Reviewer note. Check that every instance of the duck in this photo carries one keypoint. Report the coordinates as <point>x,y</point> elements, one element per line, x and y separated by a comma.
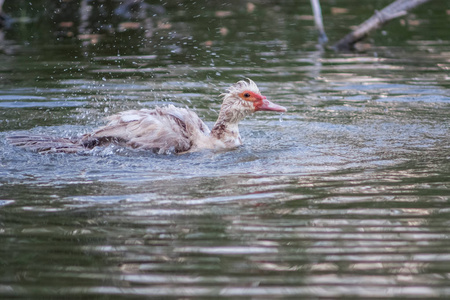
<point>167,129</point>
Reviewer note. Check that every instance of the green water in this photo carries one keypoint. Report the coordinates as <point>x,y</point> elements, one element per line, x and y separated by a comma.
<point>345,195</point>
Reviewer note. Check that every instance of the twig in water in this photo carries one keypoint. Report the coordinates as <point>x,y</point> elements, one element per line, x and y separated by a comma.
<point>394,10</point>
<point>318,21</point>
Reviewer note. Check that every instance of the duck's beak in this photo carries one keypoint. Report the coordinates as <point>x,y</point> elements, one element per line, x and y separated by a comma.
<point>268,105</point>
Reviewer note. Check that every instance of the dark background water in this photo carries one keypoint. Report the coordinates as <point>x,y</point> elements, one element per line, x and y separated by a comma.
<point>345,195</point>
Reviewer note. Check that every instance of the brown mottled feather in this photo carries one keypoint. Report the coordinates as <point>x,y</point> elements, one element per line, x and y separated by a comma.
<point>46,144</point>
<point>164,129</point>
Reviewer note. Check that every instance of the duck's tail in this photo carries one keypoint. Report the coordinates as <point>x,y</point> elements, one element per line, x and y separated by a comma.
<point>46,144</point>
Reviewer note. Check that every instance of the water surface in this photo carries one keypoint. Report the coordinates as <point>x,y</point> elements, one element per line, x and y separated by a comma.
<point>345,195</point>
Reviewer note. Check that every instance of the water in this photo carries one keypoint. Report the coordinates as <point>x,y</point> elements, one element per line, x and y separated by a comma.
<point>345,195</point>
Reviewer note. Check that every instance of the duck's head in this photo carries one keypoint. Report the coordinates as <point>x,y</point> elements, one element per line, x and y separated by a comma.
<point>244,98</point>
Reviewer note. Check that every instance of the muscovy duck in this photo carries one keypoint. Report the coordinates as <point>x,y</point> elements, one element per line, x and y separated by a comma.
<point>167,129</point>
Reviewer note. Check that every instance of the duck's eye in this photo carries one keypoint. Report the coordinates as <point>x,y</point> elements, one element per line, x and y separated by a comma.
<point>246,95</point>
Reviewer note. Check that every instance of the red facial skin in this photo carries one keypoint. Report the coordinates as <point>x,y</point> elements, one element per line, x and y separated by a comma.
<point>260,102</point>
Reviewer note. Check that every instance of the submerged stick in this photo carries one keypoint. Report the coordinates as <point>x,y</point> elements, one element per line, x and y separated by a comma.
<point>317,11</point>
<point>394,10</point>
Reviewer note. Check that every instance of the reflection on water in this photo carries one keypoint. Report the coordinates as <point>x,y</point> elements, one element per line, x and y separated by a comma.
<point>345,195</point>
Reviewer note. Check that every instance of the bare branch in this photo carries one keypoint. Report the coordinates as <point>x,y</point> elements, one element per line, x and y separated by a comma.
<point>394,10</point>
<point>318,21</point>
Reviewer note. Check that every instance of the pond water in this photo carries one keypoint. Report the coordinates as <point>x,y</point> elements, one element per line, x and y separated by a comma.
<point>345,195</point>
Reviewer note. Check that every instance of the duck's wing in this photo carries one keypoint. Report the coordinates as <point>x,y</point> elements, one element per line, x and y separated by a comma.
<point>46,144</point>
<point>166,129</point>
